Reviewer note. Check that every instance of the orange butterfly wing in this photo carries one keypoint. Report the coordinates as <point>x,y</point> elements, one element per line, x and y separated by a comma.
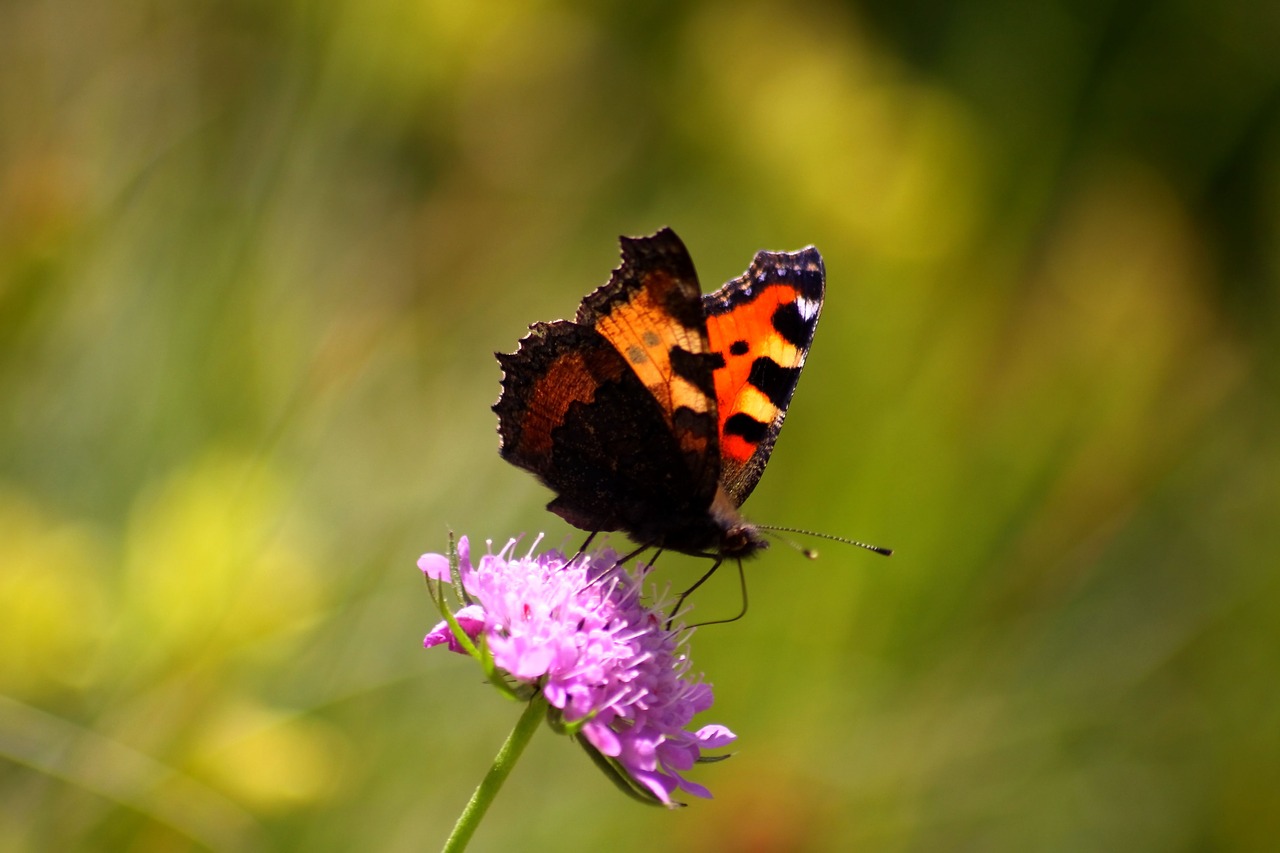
<point>762,325</point>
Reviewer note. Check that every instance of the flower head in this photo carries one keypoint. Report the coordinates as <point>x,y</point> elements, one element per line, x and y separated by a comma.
<point>609,666</point>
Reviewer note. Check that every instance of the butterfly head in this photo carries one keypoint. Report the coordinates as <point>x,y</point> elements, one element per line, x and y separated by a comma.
<point>741,540</point>
<point>738,537</point>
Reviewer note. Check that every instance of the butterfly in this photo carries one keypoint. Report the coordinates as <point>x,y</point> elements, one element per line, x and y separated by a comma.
<point>655,410</point>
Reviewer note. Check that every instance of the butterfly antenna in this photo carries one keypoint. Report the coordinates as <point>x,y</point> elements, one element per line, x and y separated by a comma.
<point>810,553</point>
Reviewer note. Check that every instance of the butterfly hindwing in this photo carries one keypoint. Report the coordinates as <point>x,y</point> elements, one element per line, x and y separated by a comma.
<point>762,324</point>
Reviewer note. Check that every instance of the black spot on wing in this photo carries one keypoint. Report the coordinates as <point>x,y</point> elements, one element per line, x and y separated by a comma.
<point>809,273</point>
<point>699,424</point>
<point>739,348</point>
<point>697,368</point>
<point>746,427</point>
<point>774,380</point>
<point>791,325</point>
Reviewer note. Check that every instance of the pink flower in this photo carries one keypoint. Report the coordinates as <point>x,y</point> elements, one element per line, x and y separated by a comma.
<point>578,631</point>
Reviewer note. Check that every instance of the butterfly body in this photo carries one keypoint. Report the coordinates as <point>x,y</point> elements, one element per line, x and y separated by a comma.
<point>655,410</point>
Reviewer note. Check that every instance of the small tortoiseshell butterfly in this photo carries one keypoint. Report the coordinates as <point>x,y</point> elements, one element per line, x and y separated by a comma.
<point>655,409</point>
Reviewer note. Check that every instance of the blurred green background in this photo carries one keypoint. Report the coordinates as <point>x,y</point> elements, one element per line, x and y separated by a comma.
<point>255,259</point>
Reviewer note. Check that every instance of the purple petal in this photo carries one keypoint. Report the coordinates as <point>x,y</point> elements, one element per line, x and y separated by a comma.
<point>714,736</point>
<point>526,661</point>
<point>602,738</point>
<point>470,619</point>
<point>580,705</point>
<point>554,691</point>
<point>694,788</point>
<point>678,756</point>
<point>640,749</point>
<point>434,566</point>
<point>662,785</point>
<point>701,698</point>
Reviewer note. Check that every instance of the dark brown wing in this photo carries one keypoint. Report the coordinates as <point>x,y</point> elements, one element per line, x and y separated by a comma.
<point>575,414</point>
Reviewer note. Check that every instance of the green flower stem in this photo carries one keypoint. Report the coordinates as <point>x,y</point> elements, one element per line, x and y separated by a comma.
<point>492,782</point>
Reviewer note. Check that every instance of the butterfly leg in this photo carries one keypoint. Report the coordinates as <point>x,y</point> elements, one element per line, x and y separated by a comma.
<point>688,592</point>
<point>620,561</point>
<point>636,553</point>
<point>585,545</point>
<point>742,583</point>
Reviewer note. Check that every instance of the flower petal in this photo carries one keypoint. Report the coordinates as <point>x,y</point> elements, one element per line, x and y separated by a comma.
<point>662,785</point>
<point>678,756</point>
<point>526,661</point>
<point>470,619</point>
<point>714,736</point>
<point>434,566</point>
<point>694,788</point>
<point>602,738</point>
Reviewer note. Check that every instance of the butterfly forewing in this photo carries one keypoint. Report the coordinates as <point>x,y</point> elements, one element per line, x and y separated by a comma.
<point>762,323</point>
<point>651,311</point>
